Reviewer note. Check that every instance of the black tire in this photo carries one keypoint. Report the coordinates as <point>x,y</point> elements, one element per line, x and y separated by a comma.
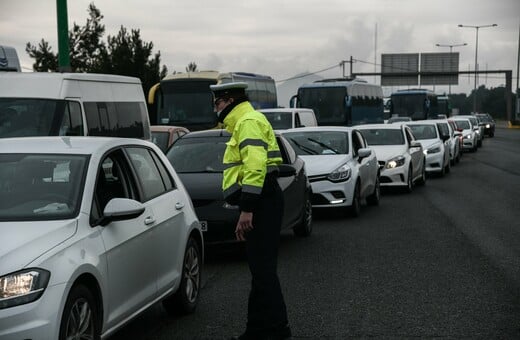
<point>304,227</point>
<point>355,209</point>
<point>375,197</point>
<point>185,299</point>
<point>409,181</point>
<point>80,306</point>
<point>422,181</point>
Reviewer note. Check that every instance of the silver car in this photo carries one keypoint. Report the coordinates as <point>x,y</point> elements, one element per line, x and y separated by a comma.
<point>94,231</point>
<point>340,166</point>
<point>400,155</point>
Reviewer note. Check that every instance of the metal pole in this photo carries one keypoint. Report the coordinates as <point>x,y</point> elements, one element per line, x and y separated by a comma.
<point>63,36</point>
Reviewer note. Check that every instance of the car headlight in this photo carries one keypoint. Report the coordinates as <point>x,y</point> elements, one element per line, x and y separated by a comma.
<point>395,162</point>
<point>340,174</point>
<point>488,126</point>
<point>22,287</point>
<point>467,136</point>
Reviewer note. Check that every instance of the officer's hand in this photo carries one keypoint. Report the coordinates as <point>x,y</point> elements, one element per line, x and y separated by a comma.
<point>244,224</point>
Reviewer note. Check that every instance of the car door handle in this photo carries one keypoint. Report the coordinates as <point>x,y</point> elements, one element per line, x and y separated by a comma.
<point>179,205</point>
<point>149,220</point>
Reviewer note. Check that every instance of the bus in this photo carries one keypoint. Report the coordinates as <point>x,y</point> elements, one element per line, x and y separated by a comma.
<point>444,106</point>
<point>185,99</point>
<point>342,102</point>
<point>418,104</point>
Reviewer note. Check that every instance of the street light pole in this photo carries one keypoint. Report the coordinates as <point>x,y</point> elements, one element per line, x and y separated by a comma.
<point>451,51</point>
<point>476,60</point>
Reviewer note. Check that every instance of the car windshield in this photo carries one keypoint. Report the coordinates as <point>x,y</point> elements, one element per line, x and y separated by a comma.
<point>318,142</point>
<point>279,120</point>
<point>463,124</point>
<point>160,139</point>
<point>195,155</point>
<point>383,136</point>
<point>40,186</point>
<point>424,131</point>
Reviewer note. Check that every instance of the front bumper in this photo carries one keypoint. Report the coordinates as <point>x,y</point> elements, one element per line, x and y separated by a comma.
<point>327,194</point>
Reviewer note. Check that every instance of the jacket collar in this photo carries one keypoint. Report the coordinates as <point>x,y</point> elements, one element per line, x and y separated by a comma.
<point>236,114</point>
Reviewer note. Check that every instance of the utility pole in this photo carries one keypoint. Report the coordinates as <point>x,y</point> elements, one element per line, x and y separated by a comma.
<point>63,36</point>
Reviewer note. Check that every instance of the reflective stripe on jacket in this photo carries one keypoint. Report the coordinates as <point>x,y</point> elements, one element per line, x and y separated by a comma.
<point>251,153</point>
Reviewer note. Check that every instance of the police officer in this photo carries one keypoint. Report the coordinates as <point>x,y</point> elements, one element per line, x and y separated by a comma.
<point>250,181</point>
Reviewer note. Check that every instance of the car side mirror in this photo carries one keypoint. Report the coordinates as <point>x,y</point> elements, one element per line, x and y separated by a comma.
<point>120,209</point>
<point>286,170</point>
<point>415,144</point>
<point>364,153</point>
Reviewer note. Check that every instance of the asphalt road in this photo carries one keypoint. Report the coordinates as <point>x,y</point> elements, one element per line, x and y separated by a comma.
<point>441,262</point>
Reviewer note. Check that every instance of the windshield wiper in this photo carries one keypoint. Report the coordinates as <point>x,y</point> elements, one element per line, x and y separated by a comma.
<point>304,148</point>
<point>323,145</point>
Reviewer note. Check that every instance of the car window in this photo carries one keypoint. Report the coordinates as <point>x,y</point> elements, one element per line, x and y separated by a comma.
<point>160,139</point>
<point>41,186</point>
<point>383,136</point>
<point>195,155</point>
<point>424,131</point>
<point>149,176</point>
<point>307,143</point>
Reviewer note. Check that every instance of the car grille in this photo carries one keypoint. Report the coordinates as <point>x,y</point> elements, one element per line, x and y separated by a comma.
<point>381,164</point>
<point>317,178</point>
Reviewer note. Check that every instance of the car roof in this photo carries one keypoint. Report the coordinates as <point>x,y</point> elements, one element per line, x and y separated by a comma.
<point>66,145</point>
<point>290,109</point>
<point>320,128</point>
<point>393,126</point>
<point>166,128</point>
<point>422,122</point>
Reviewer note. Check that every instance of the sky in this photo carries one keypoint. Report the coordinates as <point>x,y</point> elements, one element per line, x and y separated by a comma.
<point>284,38</point>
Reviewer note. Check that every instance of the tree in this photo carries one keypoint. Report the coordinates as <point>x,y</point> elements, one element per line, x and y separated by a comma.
<point>192,67</point>
<point>124,54</point>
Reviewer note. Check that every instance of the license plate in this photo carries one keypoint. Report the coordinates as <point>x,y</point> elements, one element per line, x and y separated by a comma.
<point>203,225</point>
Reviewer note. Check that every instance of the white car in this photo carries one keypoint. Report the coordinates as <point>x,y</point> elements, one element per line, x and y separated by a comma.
<point>400,155</point>
<point>451,140</point>
<point>340,166</point>
<point>434,147</point>
<point>479,129</point>
<point>469,136</point>
<point>94,231</point>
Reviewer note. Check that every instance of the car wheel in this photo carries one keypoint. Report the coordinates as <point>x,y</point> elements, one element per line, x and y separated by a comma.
<point>409,181</point>
<point>80,319</point>
<point>355,208</point>
<point>185,300</point>
<point>422,180</point>
<point>375,197</point>
<point>304,228</point>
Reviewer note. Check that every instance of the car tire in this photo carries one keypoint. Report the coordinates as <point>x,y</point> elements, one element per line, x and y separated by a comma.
<point>185,299</point>
<point>304,228</point>
<point>80,318</point>
<point>375,197</point>
<point>355,209</point>
<point>409,181</point>
<point>422,181</point>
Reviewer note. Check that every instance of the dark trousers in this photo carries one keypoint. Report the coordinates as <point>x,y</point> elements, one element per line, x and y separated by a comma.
<point>266,310</point>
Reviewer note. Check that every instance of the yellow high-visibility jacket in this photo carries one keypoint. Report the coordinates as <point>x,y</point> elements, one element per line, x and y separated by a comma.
<point>251,153</point>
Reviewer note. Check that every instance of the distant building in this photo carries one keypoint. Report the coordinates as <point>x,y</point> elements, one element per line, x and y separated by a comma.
<point>9,59</point>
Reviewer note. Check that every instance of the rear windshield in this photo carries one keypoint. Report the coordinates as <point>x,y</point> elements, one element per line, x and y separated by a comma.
<point>279,120</point>
<point>424,131</point>
<point>197,155</point>
<point>383,136</point>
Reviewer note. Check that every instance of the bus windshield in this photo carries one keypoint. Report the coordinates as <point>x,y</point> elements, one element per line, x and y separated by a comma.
<point>188,104</point>
<point>411,105</point>
<point>328,104</point>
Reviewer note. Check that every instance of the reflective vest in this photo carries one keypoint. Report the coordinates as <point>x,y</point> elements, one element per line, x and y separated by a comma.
<point>251,153</point>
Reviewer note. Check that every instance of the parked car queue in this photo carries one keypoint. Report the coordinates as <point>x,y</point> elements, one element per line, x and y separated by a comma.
<point>107,207</point>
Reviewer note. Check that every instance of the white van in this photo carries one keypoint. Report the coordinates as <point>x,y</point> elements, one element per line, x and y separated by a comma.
<point>282,119</point>
<point>72,104</point>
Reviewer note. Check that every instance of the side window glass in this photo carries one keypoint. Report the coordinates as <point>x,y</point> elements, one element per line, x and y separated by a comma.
<point>147,172</point>
<point>129,120</point>
<point>165,175</point>
<point>76,121</point>
<point>297,121</point>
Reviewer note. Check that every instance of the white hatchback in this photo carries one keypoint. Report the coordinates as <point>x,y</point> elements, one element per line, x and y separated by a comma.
<point>434,147</point>
<point>94,231</point>
<point>399,154</point>
<point>340,166</point>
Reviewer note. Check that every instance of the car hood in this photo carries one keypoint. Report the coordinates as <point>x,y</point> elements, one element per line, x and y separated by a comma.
<point>23,242</point>
<point>387,152</point>
<point>323,164</point>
